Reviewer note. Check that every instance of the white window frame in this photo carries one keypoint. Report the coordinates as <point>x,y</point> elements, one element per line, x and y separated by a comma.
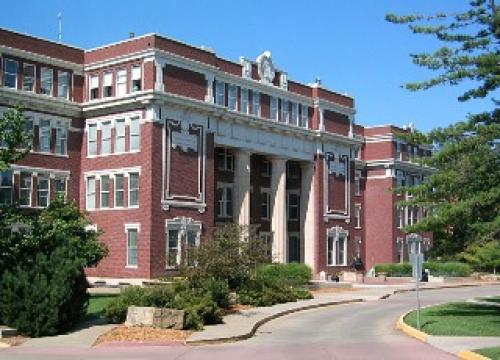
<point>61,146</point>
<point>23,188</point>
<point>400,217</point>
<point>134,77</point>
<point>42,134</point>
<point>304,116</point>
<point>93,85</point>
<point>106,138</point>
<point>256,103</point>
<point>289,206</point>
<point>244,100</point>
<point>92,140</point>
<point>104,192</point>
<point>65,182</point>
<point>285,112</point>
<point>89,193</point>
<point>120,136</point>
<point>133,189</point>
<point>134,134</point>
<point>107,82</point>
<point>220,93</point>
<point>40,191</point>
<point>294,117</point>
<point>137,229</point>
<point>266,201</point>
<point>45,78</point>
<point>357,216</point>
<point>33,78</point>
<point>228,159</point>
<point>222,203</point>
<point>116,190</point>
<point>5,73</point>
<point>62,87</point>
<point>182,226</point>
<point>232,97</point>
<point>335,236</point>
<point>121,82</point>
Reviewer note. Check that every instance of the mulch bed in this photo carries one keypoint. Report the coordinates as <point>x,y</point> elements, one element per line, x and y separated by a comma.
<point>142,334</point>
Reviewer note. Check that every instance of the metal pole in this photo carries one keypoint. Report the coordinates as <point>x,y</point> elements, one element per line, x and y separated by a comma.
<point>417,265</point>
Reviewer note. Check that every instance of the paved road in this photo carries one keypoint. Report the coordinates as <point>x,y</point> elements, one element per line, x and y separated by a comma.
<point>356,331</point>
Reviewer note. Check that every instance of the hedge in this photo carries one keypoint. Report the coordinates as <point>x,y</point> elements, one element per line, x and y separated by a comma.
<point>451,269</point>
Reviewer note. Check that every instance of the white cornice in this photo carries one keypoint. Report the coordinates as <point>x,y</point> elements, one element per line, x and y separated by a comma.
<point>329,105</point>
<point>398,164</point>
<point>29,55</point>
<point>38,102</point>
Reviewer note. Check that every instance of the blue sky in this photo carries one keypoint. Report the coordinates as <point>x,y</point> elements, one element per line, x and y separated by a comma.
<point>348,44</point>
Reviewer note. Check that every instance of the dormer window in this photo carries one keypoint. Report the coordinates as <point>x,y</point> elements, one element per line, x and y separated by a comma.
<point>29,77</point>
<point>136,78</point>
<point>107,85</point>
<point>94,87</point>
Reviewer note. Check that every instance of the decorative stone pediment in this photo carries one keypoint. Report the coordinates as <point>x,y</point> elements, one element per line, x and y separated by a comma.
<point>265,68</point>
<point>336,165</point>
<point>183,139</point>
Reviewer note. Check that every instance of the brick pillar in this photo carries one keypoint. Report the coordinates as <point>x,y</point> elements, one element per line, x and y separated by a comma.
<point>279,219</point>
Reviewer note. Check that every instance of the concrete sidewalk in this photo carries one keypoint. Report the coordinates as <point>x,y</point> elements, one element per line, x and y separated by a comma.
<point>455,344</point>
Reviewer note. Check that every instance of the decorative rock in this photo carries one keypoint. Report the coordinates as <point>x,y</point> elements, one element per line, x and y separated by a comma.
<point>156,317</point>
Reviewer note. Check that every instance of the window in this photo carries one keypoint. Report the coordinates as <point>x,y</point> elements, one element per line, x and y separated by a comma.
<point>295,114</point>
<point>293,247</point>
<point>274,108</point>
<point>43,191</point>
<point>121,82</point>
<point>225,159</point>
<point>284,111</point>
<point>105,191</point>
<point>44,135</point>
<point>267,238</point>
<point>6,187</point>
<point>60,187</point>
<point>29,77</point>
<point>337,250</point>
<point>91,192</point>
<point>244,101</point>
<point>136,78</point>
<point>62,84</point>
<point>293,170</point>
<point>133,189</point>
<point>265,205</point>
<point>119,190</point>
<point>61,139</point>
<point>398,150</point>
<point>231,95</point>
<point>400,178</point>
<point>135,134</point>
<point>293,205</point>
<point>46,81</point>
<point>357,182</point>
<point>132,247</point>
<point>106,138</point>
<point>10,73</point>
<point>220,93</point>
<point>172,248</point>
<point>94,87</point>
<point>266,168</point>
<point>304,115</point>
<point>107,85</point>
<point>400,217</point>
<point>120,136</point>
<point>92,139</point>
<point>224,200</point>
<point>357,216</point>
<point>256,103</point>
<point>25,189</point>
<point>400,249</point>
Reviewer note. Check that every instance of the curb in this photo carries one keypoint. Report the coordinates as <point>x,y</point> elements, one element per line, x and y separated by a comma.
<point>261,322</point>
<point>471,355</point>
<point>410,330</point>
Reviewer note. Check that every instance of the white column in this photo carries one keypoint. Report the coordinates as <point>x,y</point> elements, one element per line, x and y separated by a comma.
<point>351,126</point>
<point>308,215</point>
<point>159,76</point>
<point>241,188</point>
<point>321,119</point>
<point>279,219</point>
<point>209,96</point>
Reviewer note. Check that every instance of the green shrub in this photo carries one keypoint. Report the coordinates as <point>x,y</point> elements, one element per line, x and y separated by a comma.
<point>218,289</point>
<point>396,270</point>
<point>292,274</point>
<point>116,310</point>
<point>45,296</point>
<point>452,269</point>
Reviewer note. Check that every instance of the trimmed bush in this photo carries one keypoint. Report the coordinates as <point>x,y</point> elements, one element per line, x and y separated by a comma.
<point>452,269</point>
<point>45,296</point>
<point>292,274</point>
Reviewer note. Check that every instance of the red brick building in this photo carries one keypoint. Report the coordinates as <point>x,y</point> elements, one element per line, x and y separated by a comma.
<point>160,142</point>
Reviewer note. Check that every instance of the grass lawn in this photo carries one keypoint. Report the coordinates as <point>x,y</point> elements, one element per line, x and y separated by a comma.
<point>97,304</point>
<point>493,299</point>
<point>458,319</point>
<point>492,353</point>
